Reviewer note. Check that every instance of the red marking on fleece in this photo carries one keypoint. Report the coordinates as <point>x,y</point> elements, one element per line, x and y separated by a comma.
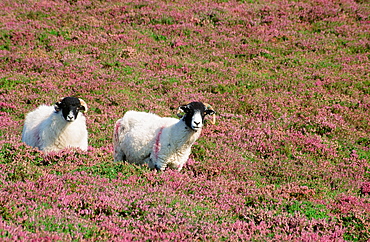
<point>157,145</point>
<point>118,125</point>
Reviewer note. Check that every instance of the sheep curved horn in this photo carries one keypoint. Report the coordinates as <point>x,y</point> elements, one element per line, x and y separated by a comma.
<point>83,103</point>
<point>208,106</point>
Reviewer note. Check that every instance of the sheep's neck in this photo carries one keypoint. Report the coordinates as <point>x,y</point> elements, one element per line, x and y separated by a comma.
<point>185,134</point>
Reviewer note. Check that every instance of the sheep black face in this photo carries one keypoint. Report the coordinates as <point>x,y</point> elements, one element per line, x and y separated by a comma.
<point>195,113</point>
<point>70,106</point>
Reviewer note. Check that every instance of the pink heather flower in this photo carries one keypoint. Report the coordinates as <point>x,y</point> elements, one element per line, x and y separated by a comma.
<point>365,188</point>
<point>354,154</point>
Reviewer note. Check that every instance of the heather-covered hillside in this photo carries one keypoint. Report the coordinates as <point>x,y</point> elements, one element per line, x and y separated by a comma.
<point>289,156</point>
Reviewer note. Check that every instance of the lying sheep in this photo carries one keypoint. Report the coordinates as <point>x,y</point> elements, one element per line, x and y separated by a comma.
<point>52,128</point>
<point>145,138</point>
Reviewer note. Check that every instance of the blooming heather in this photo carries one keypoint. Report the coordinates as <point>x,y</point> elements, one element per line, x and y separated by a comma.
<point>287,161</point>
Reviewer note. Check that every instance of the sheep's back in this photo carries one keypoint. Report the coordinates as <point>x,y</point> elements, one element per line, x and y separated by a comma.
<point>38,115</point>
<point>33,120</point>
<point>138,133</point>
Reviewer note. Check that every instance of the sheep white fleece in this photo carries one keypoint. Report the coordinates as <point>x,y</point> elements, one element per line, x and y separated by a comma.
<point>47,130</point>
<point>146,138</point>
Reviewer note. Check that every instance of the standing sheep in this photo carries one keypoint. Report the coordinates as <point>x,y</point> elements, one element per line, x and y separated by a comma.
<point>52,128</point>
<point>145,138</point>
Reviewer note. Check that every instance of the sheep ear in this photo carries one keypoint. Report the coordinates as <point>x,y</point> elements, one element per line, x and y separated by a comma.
<point>83,106</point>
<point>210,111</point>
<point>57,106</point>
<point>182,109</point>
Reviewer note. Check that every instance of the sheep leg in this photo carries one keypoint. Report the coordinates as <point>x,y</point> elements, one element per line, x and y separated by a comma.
<point>119,155</point>
<point>159,166</point>
<point>123,157</point>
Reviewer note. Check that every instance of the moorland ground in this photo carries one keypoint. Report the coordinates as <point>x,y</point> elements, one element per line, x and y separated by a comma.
<point>287,160</point>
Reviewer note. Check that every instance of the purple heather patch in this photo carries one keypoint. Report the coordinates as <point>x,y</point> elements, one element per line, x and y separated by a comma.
<point>288,158</point>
